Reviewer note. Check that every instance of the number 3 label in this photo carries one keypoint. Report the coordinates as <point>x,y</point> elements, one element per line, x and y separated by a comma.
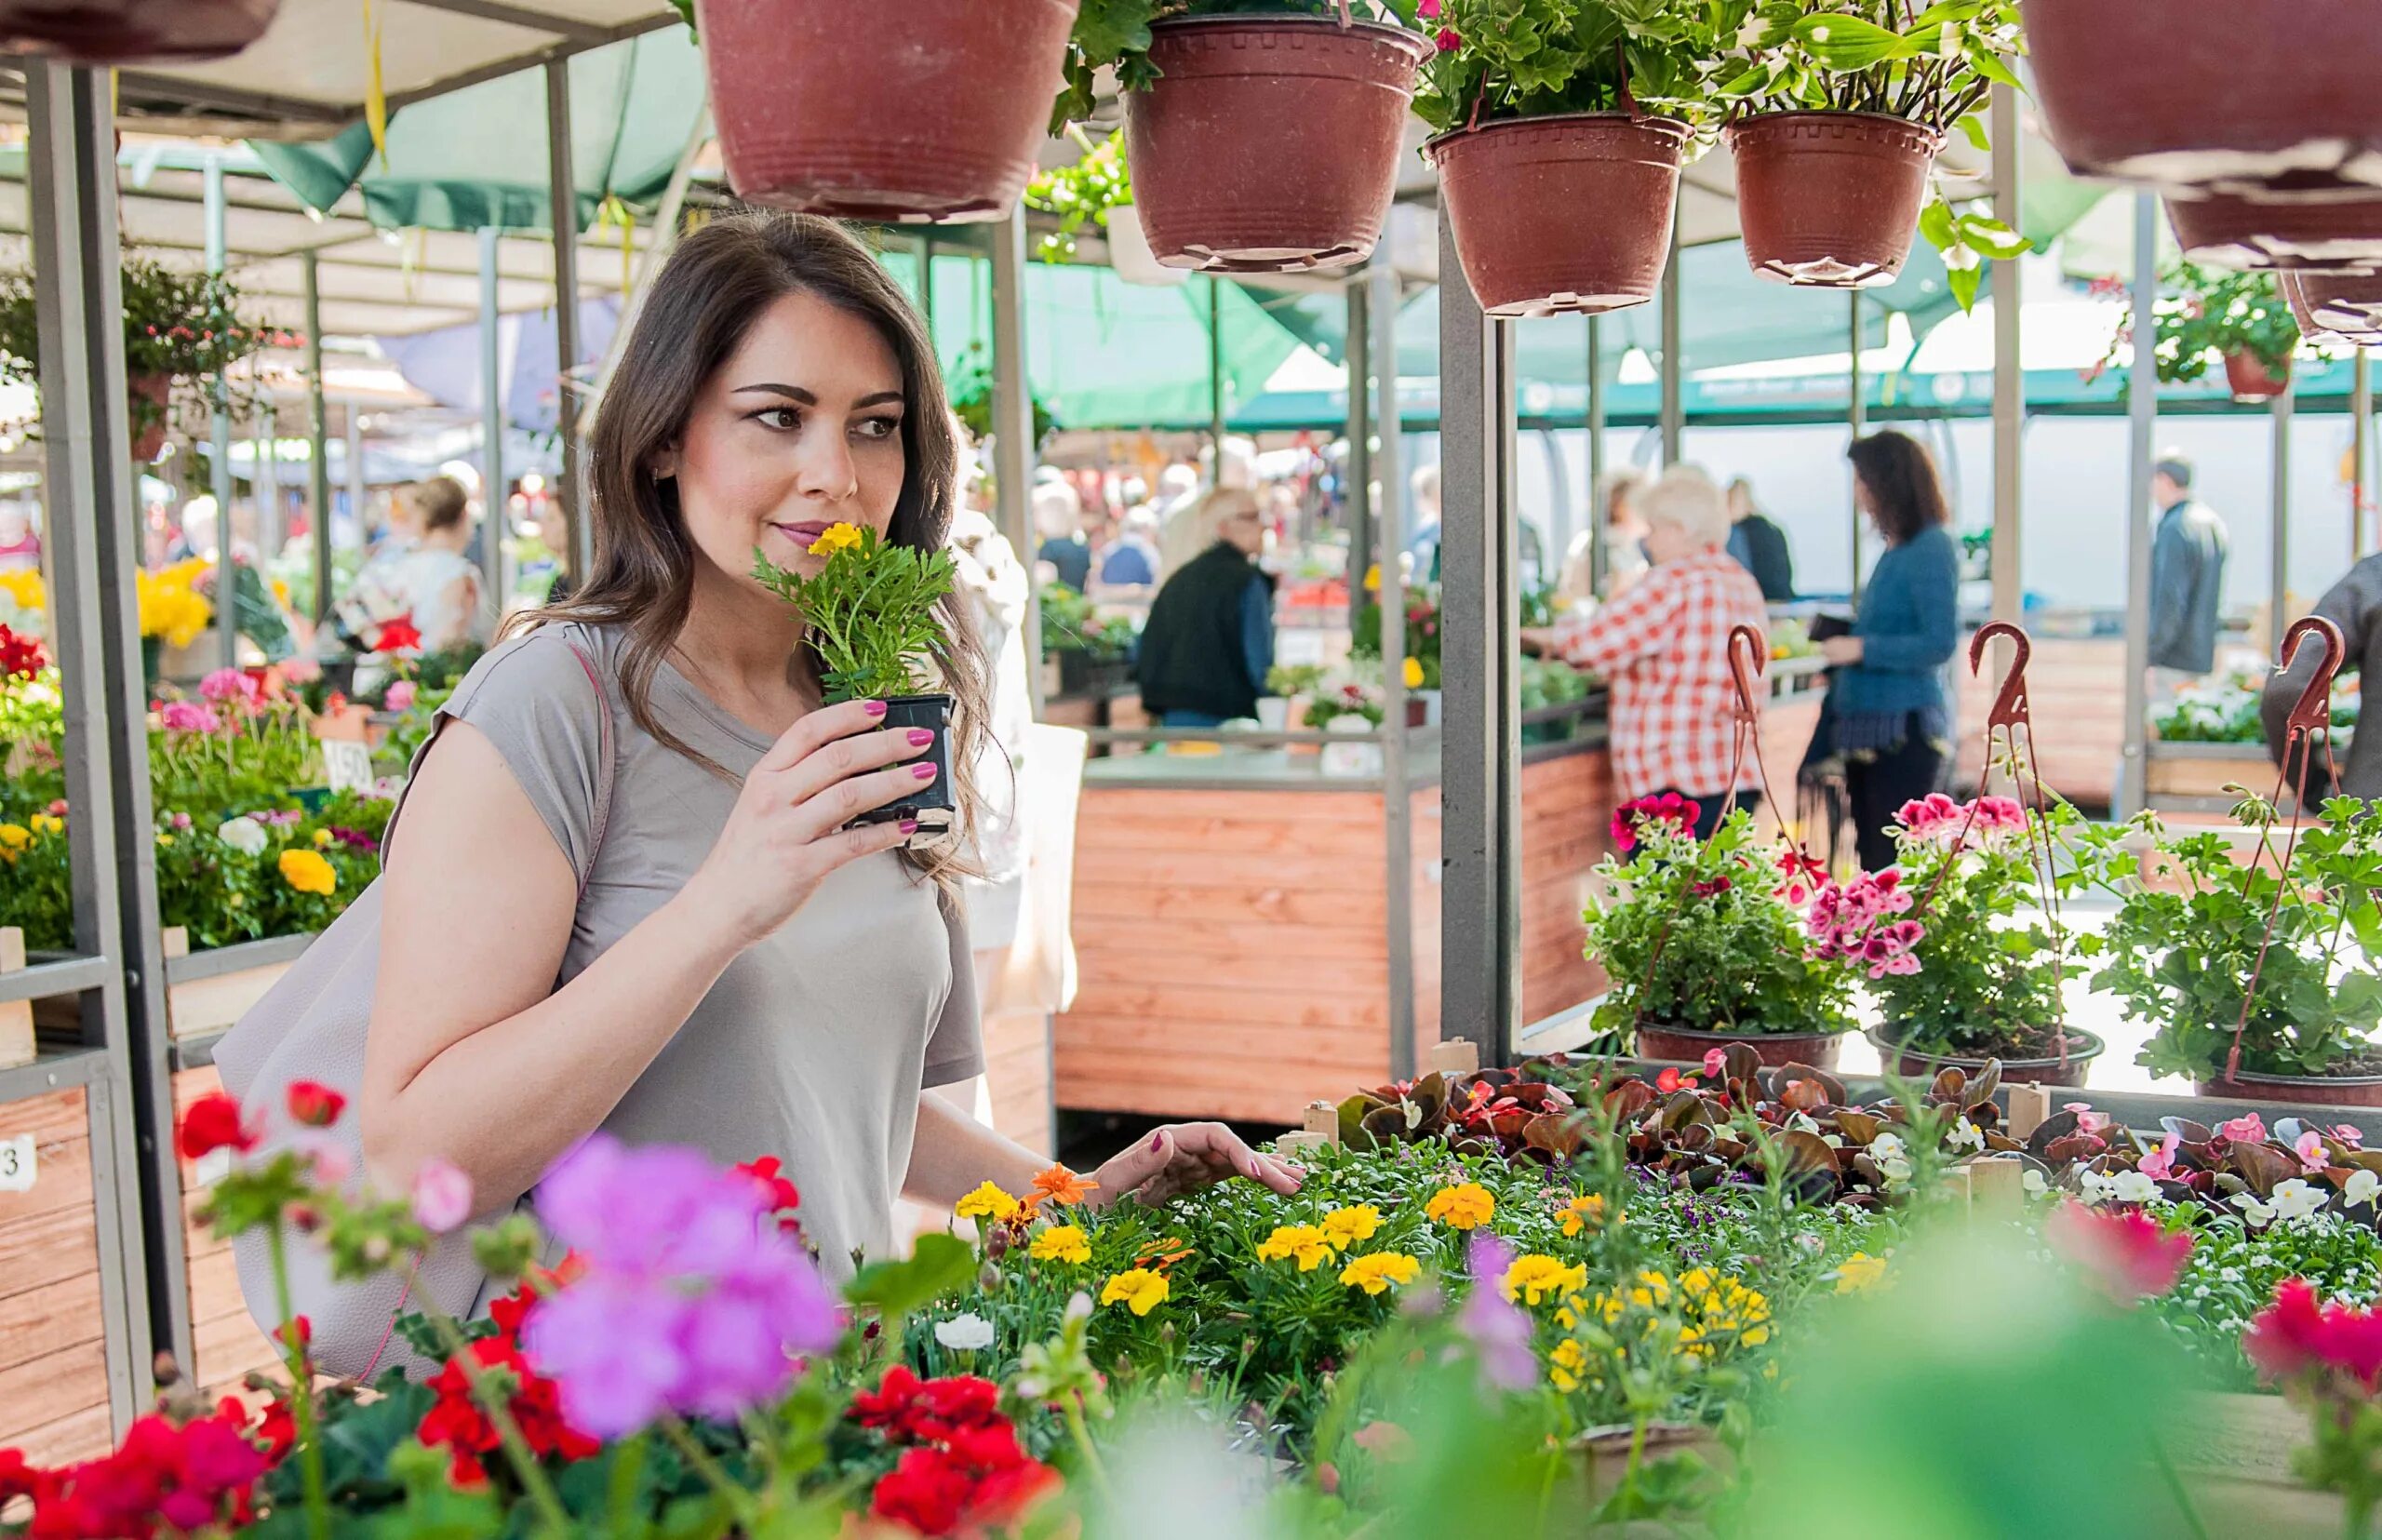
<point>17,1162</point>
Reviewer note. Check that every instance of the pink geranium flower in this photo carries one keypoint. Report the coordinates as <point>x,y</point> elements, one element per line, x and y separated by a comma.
<point>2127,1254</point>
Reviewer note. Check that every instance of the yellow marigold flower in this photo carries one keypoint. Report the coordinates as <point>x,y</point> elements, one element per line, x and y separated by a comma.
<point>308,873</point>
<point>15,837</point>
<point>1565,1363</point>
<point>1306,1243</point>
<point>838,537</point>
<point>1379,1271</point>
<point>1582,1213</point>
<point>1464,1206</point>
<point>1533,1277</point>
<point>1721,1308</point>
<point>1138,1289</point>
<point>1061,1243</point>
<point>987,1202</point>
<point>45,823</point>
<point>1858,1273</point>
<point>1346,1226</point>
<point>1413,673</point>
<point>25,588</point>
<point>1372,579</point>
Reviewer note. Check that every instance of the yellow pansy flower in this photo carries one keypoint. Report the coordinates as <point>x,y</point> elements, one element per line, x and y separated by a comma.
<point>1859,1273</point>
<point>838,537</point>
<point>1565,1363</point>
<point>15,837</point>
<point>1413,673</point>
<point>1061,1243</point>
<point>1581,1213</point>
<point>986,1203</point>
<point>1379,1271</point>
<point>308,873</point>
<point>1464,1206</point>
<point>1535,1276</point>
<point>1346,1226</point>
<point>1137,1288</point>
<point>1306,1243</point>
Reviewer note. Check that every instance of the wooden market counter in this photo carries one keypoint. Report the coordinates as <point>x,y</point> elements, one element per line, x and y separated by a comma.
<point>1232,919</point>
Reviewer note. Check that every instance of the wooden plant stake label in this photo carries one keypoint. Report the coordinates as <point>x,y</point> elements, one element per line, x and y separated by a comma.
<point>2029,1109</point>
<point>1454,1056</point>
<point>1323,1121</point>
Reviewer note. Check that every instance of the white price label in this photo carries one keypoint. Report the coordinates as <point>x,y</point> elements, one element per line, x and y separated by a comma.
<point>346,766</point>
<point>17,1162</point>
<point>213,1167</point>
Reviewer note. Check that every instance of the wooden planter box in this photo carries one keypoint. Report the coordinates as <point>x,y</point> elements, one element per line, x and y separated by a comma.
<point>207,992</point>
<point>53,1325</point>
<point>2234,1454</point>
<point>16,1046</point>
<point>228,1343</point>
<point>2202,771</point>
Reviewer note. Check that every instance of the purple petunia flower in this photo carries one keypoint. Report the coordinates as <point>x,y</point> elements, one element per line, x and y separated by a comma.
<point>1497,1328</point>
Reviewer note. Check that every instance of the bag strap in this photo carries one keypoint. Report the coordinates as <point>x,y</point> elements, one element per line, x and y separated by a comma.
<point>599,817</point>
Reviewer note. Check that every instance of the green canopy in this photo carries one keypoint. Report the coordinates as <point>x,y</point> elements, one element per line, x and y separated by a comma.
<point>478,157</point>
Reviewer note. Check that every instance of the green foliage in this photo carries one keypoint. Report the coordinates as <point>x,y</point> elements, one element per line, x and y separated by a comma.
<point>1693,935</point>
<point>1082,194</point>
<point>2226,711</point>
<point>2233,1271</point>
<point>971,399</point>
<point>1115,33</point>
<point>1515,58</point>
<point>1421,630</point>
<point>870,612</point>
<point>2204,315</point>
<point>1072,624</point>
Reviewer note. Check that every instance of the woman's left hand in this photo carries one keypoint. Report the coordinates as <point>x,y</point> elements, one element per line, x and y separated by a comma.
<point>1842,649</point>
<point>1184,1157</point>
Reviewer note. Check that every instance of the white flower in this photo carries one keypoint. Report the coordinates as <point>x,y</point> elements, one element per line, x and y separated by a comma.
<point>2297,1199</point>
<point>2255,1213</point>
<point>2131,1187</point>
<point>2229,1274</point>
<point>1886,1146</point>
<point>2361,1186</point>
<point>2094,1186</point>
<point>964,1334</point>
<point>2033,1182</point>
<point>1965,1135</point>
<point>243,835</point>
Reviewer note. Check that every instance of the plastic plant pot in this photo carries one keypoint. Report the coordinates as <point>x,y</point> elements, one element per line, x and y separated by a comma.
<point>1830,200</point>
<point>932,804</point>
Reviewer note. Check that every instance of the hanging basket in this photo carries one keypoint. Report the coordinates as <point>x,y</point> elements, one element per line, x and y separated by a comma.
<point>2313,1091</point>
<point>1911,1064</point>
<point>2220,229</point>
<point>1561,214</point>
<point>1270,144</point>
<point>1775,1050</point>
<point>924,110</point>
<point>2267,98</point>
<point>133,32</point>
<point>2249,380</point>
<point>1830,200</point>
<point>2345,307</point>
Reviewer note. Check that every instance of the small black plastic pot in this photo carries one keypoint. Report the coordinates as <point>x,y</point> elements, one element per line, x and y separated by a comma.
<point>931,804</point>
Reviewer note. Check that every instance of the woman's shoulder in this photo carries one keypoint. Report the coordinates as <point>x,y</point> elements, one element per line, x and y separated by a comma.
<point>557,662</point>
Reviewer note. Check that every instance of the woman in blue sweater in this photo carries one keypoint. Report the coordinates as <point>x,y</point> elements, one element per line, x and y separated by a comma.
<point>1887,722</point>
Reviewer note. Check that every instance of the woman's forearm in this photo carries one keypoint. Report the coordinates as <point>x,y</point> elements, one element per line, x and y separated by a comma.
<point>953,1153</point>
<point>507,1101</point>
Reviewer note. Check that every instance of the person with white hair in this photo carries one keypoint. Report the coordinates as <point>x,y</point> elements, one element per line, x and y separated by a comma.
<point>1058,521</point>
<point>1132,561</point>
<point>1208,643</point>
<point>1663,646</point>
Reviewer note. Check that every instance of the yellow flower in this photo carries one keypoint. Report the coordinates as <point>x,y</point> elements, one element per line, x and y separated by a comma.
<point>1377,1272</point>
<point>1372,579</point>
<point>1413,673</point>
<point>322,838</point>
<point>15,837</point>
<point>838,537</point>
<point>987,1202</point>
<point>1306,1243</point>
<point>1462,1207</point>
<point>25,588</point>
<point>1721,1308</point>
<point>1061,1243</point>
<point>1581,1213</point>
<point>169,604</point>
<point>44,824</point>
<point>164,839</point>
<point>1346,1226</point>
<point>1859,1273</point>
<point>1564,1364</point>
<point>308,873</point>
<point>1535,1276</point>
<point>1138,1289</point>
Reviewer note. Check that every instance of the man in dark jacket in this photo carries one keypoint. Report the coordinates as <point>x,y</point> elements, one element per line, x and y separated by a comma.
<point>1759,544</point>
<point>2355,605</point>
<point>2187,578</point>
<point>1208,643</point>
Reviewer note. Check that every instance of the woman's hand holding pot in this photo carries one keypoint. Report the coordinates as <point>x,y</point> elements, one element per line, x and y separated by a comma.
<point>788,830</point>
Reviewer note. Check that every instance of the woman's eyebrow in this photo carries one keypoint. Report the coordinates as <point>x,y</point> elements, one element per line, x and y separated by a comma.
<point>796,392</point>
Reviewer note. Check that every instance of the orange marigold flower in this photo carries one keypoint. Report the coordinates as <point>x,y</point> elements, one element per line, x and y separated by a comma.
<point>1063,1187</point>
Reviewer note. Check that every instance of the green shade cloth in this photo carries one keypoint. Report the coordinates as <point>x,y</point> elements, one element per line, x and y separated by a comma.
<point>478,157</point>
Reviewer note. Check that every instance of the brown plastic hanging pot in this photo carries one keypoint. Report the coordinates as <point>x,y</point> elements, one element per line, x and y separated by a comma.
<point>1570,213</point>
<point>1270,144</point>
<point>2221,229</point>
<point>1775,1050</point>
<point>924,110</point>
<point>2250,379</point>
<point>129,31</point>
<point>1830,200</point>
<point>2267,98</point>
<point>2346,306</point>
<point>2313,1091</point>
<point>151,396</point>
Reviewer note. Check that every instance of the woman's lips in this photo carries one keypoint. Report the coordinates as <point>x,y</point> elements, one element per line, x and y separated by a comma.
<point>803,533</point>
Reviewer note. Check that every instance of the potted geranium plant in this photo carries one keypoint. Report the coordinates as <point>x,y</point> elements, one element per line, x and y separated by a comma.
<point>1705,942</point>
<point>2183,949</point>
<point>1263,135</point>
<point>1979,984</point>
<point>1548,107</point>
<point>2205,316</point>
<point>869,614</point>
<point>927,110</point>
<point>1838,114</point>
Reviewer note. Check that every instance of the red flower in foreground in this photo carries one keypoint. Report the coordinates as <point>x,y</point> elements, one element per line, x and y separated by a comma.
<point>1670,807</point>
<point>2127,1254</point>
<point>964,1469</point>
<point>182,1478</point>
<point>213,1123</point>
<point>783,1196</point>
<point>314,1104</point>
<point>2294,1336</point>
<point>458,1422</point>
<point>20,657</point>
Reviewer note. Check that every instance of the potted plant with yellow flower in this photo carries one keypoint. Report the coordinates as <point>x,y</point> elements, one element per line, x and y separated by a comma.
<point>869,614</point>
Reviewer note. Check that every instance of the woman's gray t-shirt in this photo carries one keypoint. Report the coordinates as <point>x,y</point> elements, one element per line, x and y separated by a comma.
<point>814,1044</point>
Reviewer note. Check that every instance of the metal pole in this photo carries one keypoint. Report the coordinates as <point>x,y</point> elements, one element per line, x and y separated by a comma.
<point>1357,469</point>
<point>1216,375</point>
<point>492,417</point>
<point>2361,461</point>
<point>318,461</point>
<point>562,186</point>
<point>2279,577</point>
<point>1674,372</point>
<point>926,283</point>
<point>1856,418</point>
<point>1013,445</point>
<point>227,577</point>
<point>2142,413</point>
<point>1600,558</point>
<point>266,481</point>
<point>1480,746</point>
<point>1379,308</point>
<point>2009,374</point>
<point>355,488</point>
<point>94,545</point>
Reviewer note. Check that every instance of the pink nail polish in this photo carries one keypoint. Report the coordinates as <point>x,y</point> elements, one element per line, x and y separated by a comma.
<point>1157,1141</point>
<point>909,825</point>
<point>874,708</point>
<point>921,737</point>
<point>924,772</point>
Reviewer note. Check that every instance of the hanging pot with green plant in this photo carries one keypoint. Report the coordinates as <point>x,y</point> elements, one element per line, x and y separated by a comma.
<point>1263,135</point>
<point>2239,321</point>
<point>133,32</point>
<point>1837,118</point>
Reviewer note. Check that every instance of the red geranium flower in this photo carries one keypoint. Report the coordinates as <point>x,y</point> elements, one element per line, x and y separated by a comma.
<point>314,1104</point>
<point>2127,1254</point>
<point>458,1422</point>
<point>397,636</point>
<point>784,1197</point>
<point>213,1123</point>
<point>1670,807</point>
<point>20,657</point>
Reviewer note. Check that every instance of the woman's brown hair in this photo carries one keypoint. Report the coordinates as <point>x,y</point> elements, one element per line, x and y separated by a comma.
<point>1904,494</point>
<point>707,296</point>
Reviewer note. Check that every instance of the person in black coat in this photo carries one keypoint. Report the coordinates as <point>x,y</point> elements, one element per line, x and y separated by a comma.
<point>1759,544</point>
<point>1208,643</point>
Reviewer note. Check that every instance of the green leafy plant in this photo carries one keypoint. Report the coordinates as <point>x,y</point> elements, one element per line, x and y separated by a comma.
<point>1495,59</point>
<point>971,399</point>
<point>1072,624</point>
<point>2204,315</point>
<point>870,610</point>
<point>1116,34</point>
<point>2225,710</point>
<point>1422,631</point>
<point>1081,193</point>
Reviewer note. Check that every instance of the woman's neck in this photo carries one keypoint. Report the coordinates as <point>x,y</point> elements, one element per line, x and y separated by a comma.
<point>745,647</point>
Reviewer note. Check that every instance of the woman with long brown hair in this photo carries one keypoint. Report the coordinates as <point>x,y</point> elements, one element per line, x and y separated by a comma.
<point>629,894</point>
